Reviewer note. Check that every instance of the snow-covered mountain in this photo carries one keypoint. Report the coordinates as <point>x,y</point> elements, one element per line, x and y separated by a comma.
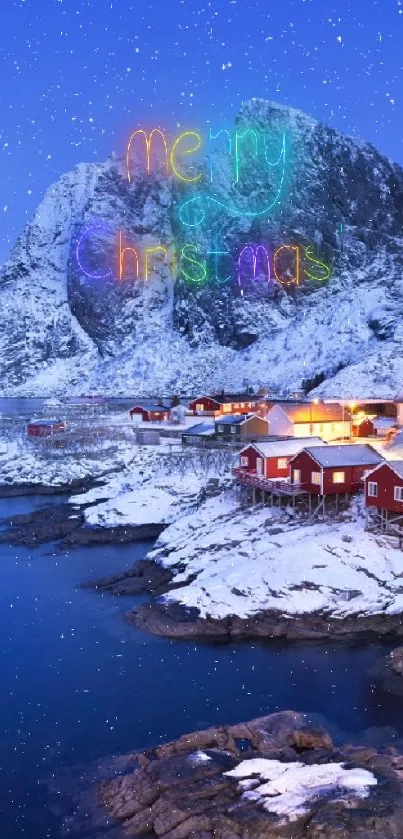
<point>62,330</point>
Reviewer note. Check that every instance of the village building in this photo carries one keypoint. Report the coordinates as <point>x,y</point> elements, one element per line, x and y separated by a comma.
<point>384,493</point>
<point>150,412</point>
<point>333,470</point>
<point>230,403</point>
<point>329,421</point>
<point>198,434</point>
<point>372,426</point>
<point>45,428</point>
<point>271,459</point>
<point>238,427</point>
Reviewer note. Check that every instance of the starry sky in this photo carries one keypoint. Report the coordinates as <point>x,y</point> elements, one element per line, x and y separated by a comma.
<point>77,76</point>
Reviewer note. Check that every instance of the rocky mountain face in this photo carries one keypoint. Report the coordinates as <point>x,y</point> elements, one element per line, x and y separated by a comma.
<point>71,323</point>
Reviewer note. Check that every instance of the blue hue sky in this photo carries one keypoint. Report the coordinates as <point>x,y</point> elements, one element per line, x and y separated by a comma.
<point>77,76</point>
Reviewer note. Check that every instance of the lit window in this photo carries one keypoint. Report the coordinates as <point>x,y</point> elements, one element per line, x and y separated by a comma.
<point>372,489</point>
<point>242,404</point>
<point>398,494</point>
<point>227,409</point>
<point>296,476</point>
<point>244,461</point>
<point>315,478</point>
<point>282,463</point>
<point>339,477</point>
<point>220,429</point>
<point>233,429</point>
<point>199,406</point>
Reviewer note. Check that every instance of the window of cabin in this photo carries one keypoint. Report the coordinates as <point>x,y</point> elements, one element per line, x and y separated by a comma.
<point>199,406</point>
<point>398,493</point>
<point>227,408</point>
<point>220,429</point>
<point>315,478</point>
<point>244,461</point>
<point>372,489</point>
<point>242,404</point>
<point>282,463</point>
<point>339,477</point>
<point>296,476</point>
<point>233,429</point>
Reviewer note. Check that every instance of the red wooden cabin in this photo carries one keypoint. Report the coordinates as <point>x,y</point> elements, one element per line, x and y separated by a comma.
<point>271,459</point>
<point>150,412</point>
<point>384,486</point>
<point>332,470</point>
<point>363,428</point>
<point>45,428</point>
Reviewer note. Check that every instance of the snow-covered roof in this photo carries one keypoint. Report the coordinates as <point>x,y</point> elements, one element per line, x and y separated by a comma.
<point>312,412</point>
<point>149,406</point>
<point>397,466</point>
<point>384,422</point>
<point>235,419</point>
<point>348,455</point>
<point>284,448</point>
<point>202,429</point>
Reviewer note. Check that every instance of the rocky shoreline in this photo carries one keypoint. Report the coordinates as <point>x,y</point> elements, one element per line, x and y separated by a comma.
<point>172,620</point>
<point>66,523</point>
<point>267,778</point>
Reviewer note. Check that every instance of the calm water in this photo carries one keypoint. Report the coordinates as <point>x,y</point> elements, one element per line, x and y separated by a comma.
<point>78,683</point>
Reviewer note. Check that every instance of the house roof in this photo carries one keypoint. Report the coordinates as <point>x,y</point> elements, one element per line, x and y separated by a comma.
<point>201,429</point>
<point>311,412</point>
<point>348,455</point>
<point>285,448</point>
<point>396,465</point>
<point>236,419</point>
<point>149,406</point>
<point>46,422</point>
<point>384,422</point>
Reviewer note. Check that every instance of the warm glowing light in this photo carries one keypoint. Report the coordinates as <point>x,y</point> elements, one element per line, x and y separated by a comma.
<point>218,253</point>
<point>148,142</point>
<point>153,250</point>
<point>295,280</point>
<point>255,251</point>
<point>198,200</point>
<point>326,269</point>
<point>215,137</point>
<point>239,137</point>
<point>201,265</point>
<point>92,276</point>
<point>122,252</point>
<point>186,151</point>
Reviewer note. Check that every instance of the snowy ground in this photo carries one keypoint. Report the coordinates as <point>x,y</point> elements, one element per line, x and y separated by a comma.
<point>161,484</point>
<point>247,561</point>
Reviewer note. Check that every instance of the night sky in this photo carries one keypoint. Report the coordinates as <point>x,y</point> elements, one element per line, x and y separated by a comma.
<point>77,76</point>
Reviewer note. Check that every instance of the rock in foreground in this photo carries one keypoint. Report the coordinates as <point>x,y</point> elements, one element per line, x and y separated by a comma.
<point>272,777</point>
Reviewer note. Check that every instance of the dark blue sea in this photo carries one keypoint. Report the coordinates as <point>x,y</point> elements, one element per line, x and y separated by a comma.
<point>79,683</point>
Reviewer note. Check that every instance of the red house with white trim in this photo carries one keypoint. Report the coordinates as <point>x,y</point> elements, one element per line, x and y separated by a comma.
<point>332,470</point>
<point>271,459</point>
<point>384,486</point>
<point>150,412</point>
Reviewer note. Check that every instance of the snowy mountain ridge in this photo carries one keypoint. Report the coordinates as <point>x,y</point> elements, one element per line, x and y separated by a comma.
<point>63,331</point>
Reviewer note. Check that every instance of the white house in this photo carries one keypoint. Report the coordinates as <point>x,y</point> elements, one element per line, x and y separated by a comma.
<point>309,419</point>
